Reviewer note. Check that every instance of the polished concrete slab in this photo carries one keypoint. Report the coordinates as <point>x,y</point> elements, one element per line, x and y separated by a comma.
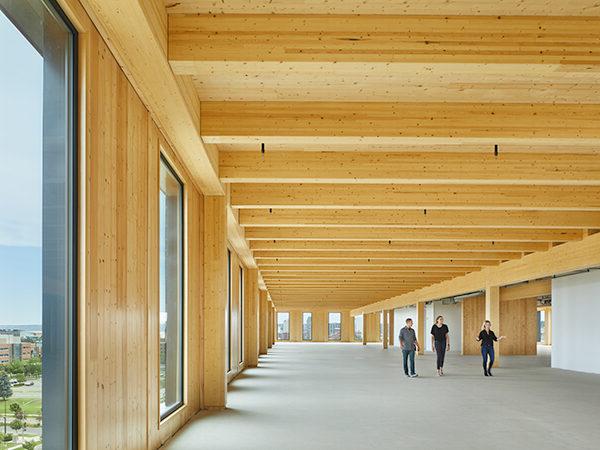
<point>346,396</point>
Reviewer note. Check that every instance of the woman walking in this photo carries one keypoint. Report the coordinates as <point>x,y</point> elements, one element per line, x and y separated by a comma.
<point>487,338</point>
<point>440,342</point>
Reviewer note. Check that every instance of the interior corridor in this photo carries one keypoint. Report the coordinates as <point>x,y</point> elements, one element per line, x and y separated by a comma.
<point>329,396</point>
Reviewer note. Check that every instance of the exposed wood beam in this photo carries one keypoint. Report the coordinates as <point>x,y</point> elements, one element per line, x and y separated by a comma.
<point>417,246</point>
<point>406,123</point>
<point>530,289</point>
<point>405,167</point>
<point>413,234</point>
<point>136,31</point>
<point>261,255</point>
<point>379,268</point>
<point>386,196</point>
<point>562,259</point>
<point>196,38</point>
<point>483,7</point>
<point>416,218</point>
<point>376,262</point>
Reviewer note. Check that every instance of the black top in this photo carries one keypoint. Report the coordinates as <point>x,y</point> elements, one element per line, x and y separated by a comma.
<point>439,333</point>
<point>487,339</point>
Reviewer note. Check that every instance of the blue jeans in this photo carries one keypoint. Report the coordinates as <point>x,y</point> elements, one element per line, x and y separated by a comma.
<point>406,354</point>
<point>487,350</point>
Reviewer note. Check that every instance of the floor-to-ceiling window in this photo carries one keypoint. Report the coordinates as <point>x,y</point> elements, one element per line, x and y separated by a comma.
<point>283,326</point>
<point>307,326</point>
<point>37,226</point>
<point>334,328</point>
<point>241,317</point>
<point>171,260</point>
<point>358,328</point>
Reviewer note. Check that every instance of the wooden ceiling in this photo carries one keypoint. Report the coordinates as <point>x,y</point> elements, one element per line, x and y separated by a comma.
<point>374,148</point>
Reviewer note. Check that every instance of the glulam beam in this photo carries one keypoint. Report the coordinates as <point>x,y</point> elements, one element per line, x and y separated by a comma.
<point>415,196</point>
<point>413,234</point>
<point>255,38</point>
<point>411,218</point>
<point>408,167</point>
<point>400,123</point>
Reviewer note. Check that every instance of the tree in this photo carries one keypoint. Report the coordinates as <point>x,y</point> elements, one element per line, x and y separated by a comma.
<point>5,393</point>
<point>30,445</point>
<point>15,408</point>
<point>16,425</point>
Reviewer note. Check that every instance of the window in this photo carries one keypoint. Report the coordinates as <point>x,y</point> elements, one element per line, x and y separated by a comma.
<point>358,328</point>
<point>37,222</point>
<point>381,326</point>
<point>228,311</point>
<point>335,327</point>
<point>307,326</point>
<point>283,326</point>
<point>171,289</point>
<point>241,316</point>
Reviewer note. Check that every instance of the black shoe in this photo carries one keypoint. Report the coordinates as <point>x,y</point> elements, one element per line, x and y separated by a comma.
<point>486,373</point>
<point>489,371</point>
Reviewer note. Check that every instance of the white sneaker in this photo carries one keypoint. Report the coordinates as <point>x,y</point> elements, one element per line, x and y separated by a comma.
<point>414,375</point>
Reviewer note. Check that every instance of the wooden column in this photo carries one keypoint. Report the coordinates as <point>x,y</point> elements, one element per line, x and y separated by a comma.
<point>263,323</point>
<point>391,326</point>
<point>271,332</point>
<point>251,318</point>
<point>421,327</point>
<point>384,338</point>
<point>364,330</point>
<point>215,301</point>
<point>492,313</point>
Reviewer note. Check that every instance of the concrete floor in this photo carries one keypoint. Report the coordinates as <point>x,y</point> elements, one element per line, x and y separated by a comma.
<point>346,396</point>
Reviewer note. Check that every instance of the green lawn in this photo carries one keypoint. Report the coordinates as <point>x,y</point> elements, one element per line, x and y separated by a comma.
<point>31,406</point>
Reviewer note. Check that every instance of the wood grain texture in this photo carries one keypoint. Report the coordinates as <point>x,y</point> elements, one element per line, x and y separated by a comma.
<point>412,7</point>
<point>473,315</point>
<point>518,322</point>
<point>251,318</point>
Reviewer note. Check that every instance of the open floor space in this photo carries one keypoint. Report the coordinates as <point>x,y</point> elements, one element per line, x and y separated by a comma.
<point>330,396</point>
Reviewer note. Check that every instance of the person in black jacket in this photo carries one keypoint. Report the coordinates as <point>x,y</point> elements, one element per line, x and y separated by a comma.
<point>440,342</point>
<point>487,338</point>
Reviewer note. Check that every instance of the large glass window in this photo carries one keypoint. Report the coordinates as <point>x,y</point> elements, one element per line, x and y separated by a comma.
<point>241,316</point>
<point>335,327</point>
<point>283,326</point>
<point>228,311</point>
<point>37,229</point>
<point>307,326</point>
<point>358,328</point>
<point>171,289</point>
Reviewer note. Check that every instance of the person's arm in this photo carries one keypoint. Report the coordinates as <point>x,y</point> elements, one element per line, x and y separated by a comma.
<point>401,343</point>
<point>447,341</point>
<point>432,343</point>
<point>478,338</point>
<point>417,346</point>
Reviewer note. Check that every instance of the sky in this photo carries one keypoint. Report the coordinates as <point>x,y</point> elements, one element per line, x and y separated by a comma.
<point>21,87</point>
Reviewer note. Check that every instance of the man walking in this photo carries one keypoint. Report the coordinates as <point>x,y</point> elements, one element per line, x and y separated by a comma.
<point>408,344</point>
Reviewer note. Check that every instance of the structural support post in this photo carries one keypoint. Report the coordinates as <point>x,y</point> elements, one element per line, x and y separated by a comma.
<point>492,313</point>
<point>264,323</point>
<point>421,327</point>
<point>548,327</point>
<point>384,338</point>
<point>271,334</point>
<point>251,318</point>
<point>364,331</point>
<point>215,301</point>
<point>391,326</point>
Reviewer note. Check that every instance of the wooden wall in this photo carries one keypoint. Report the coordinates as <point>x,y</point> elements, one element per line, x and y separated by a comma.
<point>473,315</point>
<point>372,325</point>
<point>118,310</point>
<point>518,322</point>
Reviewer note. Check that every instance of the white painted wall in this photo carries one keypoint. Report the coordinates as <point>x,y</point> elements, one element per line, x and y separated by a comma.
<point>400,316</point>
<point>575,305</point>
<point>453,318</point>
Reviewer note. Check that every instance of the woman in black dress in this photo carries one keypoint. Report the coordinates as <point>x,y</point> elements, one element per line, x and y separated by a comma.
<point>487,338</point>
<point>440,342</point>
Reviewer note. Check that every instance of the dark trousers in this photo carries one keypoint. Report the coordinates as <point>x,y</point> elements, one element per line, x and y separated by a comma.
<point>406,355</point>
<point>440,349</point>
<point>487,351</point>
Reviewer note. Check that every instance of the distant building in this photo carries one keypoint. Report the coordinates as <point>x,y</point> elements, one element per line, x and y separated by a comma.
<point>12,348</point>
